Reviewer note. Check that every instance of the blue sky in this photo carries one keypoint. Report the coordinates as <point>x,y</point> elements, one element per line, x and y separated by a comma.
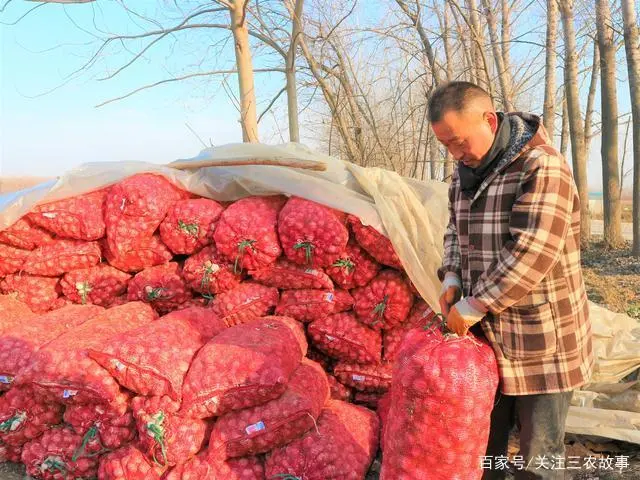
<point>46,133</point>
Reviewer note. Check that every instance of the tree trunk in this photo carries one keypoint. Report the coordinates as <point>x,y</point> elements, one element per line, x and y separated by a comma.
<point>433,154</point>
<point>292,91</point>
<point>549,112</point>
<point>591,100</point>
<point>483,74</point>
<point>632,48</point>
<point>575,120</point>
<point>248,117</point>
<point>564,131</point>
<point>504,74</point>
<point>476,55</point>
<point>416,20</point>
<point>609,111</point>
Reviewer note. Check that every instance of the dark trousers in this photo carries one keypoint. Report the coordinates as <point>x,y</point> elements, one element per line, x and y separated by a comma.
<point>541,419</point>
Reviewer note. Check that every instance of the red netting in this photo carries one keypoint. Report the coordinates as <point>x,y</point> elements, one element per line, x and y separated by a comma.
<point>264,427</point>
<point>243,366</point>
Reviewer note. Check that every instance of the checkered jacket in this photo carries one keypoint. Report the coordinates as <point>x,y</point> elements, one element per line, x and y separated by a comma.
<point>516,247</point>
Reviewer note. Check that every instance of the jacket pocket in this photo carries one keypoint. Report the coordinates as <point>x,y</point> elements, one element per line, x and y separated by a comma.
<point>528,331</point>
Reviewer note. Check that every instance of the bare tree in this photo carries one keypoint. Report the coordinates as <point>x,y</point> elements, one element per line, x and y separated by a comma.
<point>591,99</point>
<point>632,49</point>
<point>500,52</point>
<point>549,112</point>
<point>575,120</point>
<point>609,111</point>
<point>564,130</point>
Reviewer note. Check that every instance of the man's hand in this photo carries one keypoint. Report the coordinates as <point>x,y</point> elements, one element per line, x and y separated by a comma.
<point>462,316</point>
<point>449,298</point>
<point>456,322</point>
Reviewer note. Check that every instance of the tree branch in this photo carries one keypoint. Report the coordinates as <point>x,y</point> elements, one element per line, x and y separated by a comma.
<point>184,77</point>
<point>273,100</point>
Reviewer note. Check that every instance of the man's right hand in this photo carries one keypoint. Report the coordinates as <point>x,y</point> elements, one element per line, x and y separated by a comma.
<point>449,298</point>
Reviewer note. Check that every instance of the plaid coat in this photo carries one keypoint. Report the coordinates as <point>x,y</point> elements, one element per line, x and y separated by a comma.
<point>516,247</point>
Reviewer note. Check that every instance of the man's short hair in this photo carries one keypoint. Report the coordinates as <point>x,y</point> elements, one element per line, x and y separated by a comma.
<point>453,96</point>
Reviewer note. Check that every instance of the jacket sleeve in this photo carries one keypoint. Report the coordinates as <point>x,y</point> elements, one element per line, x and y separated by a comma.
<point>451,260</point>
<point>539,225</point>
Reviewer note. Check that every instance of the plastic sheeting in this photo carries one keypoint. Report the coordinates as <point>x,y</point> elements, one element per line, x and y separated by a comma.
<point>411,213</point>
<point>609,406</point>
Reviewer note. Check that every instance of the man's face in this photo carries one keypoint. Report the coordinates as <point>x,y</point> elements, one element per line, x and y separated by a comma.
<point>467,135</point>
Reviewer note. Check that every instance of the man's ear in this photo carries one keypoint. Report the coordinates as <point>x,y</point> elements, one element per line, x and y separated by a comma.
<point>492,120</point>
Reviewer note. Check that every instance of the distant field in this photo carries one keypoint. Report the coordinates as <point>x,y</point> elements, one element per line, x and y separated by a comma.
<point>11,184</point>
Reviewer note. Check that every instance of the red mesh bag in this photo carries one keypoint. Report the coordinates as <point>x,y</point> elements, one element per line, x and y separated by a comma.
<point>61,256</point>
<point>18,343</point>
<point>200,318</point>
<point>147,253</point>
<point>246,232</point>
<point>135,207</point>
<point>120,300</point>
<point>128,463</point>
<point>339,391</point>
<point>310,233</point>
<point>342,447</point>
<point>341,336</point>
<point>99,285</point>
<point>343,301</point>
<point>208,272</point>
<point>24,416</point>
<point>51,457</point>
<point>23,234</point>
<point>385,302</point>
<point>164,436</point>
<point>323,359</point>
<point>368,399</point>
<point>287,275</point>
<point>11,259</point>
<point>440,407</point>
<point>264,427</point>
<point>245,302</point>
<point>80,217</point>
<point>10,453</point>
<point>161,286</point>
<point>39,293</point>
<point>365,378</point>
<point>384,404</point>
<point>421,314</point>
<point>375,244</point>
<point>306,305</point>
<point>13,312</point>
<point>153,359</point>
<point>105,425</point>
<point>243,366</point>
<point>189,225</point>
<point>353,268</point>
<point>204,467</point>
<point>62,369</point>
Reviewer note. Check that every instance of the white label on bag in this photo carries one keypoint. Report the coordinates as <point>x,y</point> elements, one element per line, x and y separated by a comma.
<point>330,338</point>
<point>358,378</point>
<point>117,364</point>
<point>312,271</point>
<point>328,297</point>
<point>49,215</point>
<point>6,379</point>
<point>256,427</point>
<point>69,393</point>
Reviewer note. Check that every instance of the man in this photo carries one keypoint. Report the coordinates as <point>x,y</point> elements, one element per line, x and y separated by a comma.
<point>511,269</point>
